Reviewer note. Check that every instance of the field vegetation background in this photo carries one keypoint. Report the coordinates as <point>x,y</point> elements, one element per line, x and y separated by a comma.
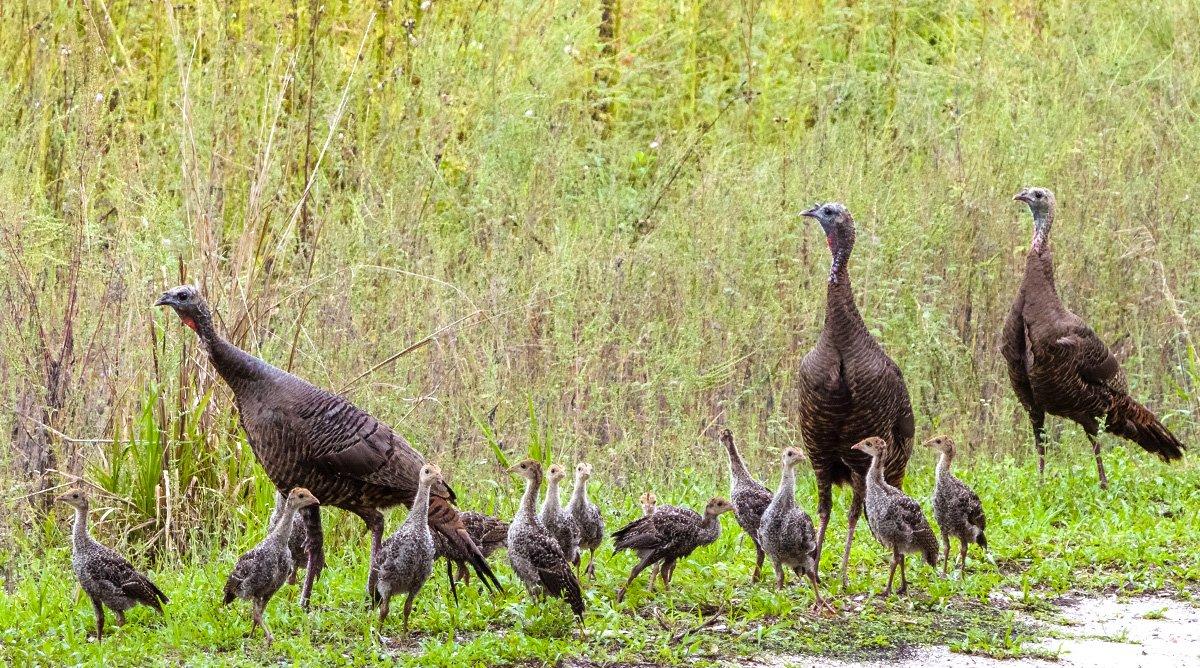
<point>567,226</point>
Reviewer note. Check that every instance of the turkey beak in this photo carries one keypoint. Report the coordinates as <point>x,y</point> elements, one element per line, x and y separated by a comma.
<point>810,213</point>
<point>164,300</point>
<point>1021,197</point>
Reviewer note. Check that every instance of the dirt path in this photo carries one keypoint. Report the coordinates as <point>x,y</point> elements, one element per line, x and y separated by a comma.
<point>1151,632</point>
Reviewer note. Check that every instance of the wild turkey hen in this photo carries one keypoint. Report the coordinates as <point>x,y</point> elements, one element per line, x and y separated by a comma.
<point>1058,365</point>
<point>849,390</point>
<point>305,436</point>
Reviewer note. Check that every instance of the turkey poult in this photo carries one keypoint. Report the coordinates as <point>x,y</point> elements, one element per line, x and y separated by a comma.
<point>489,534</point>
<point>787,533</point>
<point>849,389</point>
<point>305,436</point>
<point>105,576</point>
<point>296,542</point>
<point>406,557</point>
<point>750,498</point>
<point>535,556</point>
<point>956,507</point>
<point>260,572</point>
<point>1058,365</point>
<point>896,520</point>
<point>648,502</point>
<point>559,524</point>
<point>587,516</point>
<point>667,535</point>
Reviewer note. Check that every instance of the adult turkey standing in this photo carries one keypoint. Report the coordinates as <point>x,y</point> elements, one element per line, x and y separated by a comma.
<point>1058,365</point>
<point>305,436</point>
<point>849,390</point>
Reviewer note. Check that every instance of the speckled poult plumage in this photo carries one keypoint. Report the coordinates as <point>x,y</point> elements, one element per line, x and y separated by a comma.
<point>956,507</point>
<point>750,499</point>
<point>586,516</point>
<point>648,501</point>
<point>105,576</point>
<point>559,524</point>
<point>1057,364</point>
<point>786,532</point>
<point>405,559</point>
<point>305,436</point>
<point>849,389</point>
<point>534,554</point>
<point>260,572</point>
<point>896,520</point>
<point>667,535</point>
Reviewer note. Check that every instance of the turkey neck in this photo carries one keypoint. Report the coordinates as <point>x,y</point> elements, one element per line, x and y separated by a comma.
<point>419,515</point>
<point>529,499</point>
<point>79,533</point>
<point>551,494</point>
<point>235,365</point>
<point>282,531</point>
<point>840,310</point>
<point>1039,263</point>
<point>785,496</point>
<point>943,465</point>
<point>711,527</point>
<point>736,467</point>
<point>875,473</point>
<point>579,494</point>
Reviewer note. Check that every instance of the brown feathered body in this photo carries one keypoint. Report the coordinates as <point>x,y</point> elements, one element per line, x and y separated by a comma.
<point>956,508</point>
<point>487,532</point>
<point>849,390</point>
<point>895,519</point>
<point>534,554</point>
<point>305,436</point>
<point>260,572</point>
<point>666,535</point>
<point>104,575</point>
<point>750,498</point>
<point>1057,364</point>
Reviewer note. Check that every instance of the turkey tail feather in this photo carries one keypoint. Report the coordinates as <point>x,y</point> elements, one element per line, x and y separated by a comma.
<point>1131,420</point>
<point>445,519</point>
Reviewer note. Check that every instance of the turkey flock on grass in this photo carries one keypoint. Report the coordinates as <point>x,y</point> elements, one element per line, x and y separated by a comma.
<point>856,419</point>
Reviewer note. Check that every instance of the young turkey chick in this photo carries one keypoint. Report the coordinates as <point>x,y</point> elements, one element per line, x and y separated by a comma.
<point>647,501</point>
<point>406,557</point>
<point>260,572</point>
<point>786,532</point>
<point>750,499</point>
<point>488,533</point>
<point>105,576</point>
<point>586,516</point>
<point>296,542</point>
<point>559,524</point>
<point>895,519</point>
<point>956,507</point>
<point>535,555</point>
<point>667,535</point>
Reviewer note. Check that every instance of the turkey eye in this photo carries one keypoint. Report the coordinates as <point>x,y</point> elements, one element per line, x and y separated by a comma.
<point>827,211</point>
<point>1037,195</point>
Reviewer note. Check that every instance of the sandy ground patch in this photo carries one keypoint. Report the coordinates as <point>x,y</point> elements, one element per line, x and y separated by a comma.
<point>1099,632</point>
